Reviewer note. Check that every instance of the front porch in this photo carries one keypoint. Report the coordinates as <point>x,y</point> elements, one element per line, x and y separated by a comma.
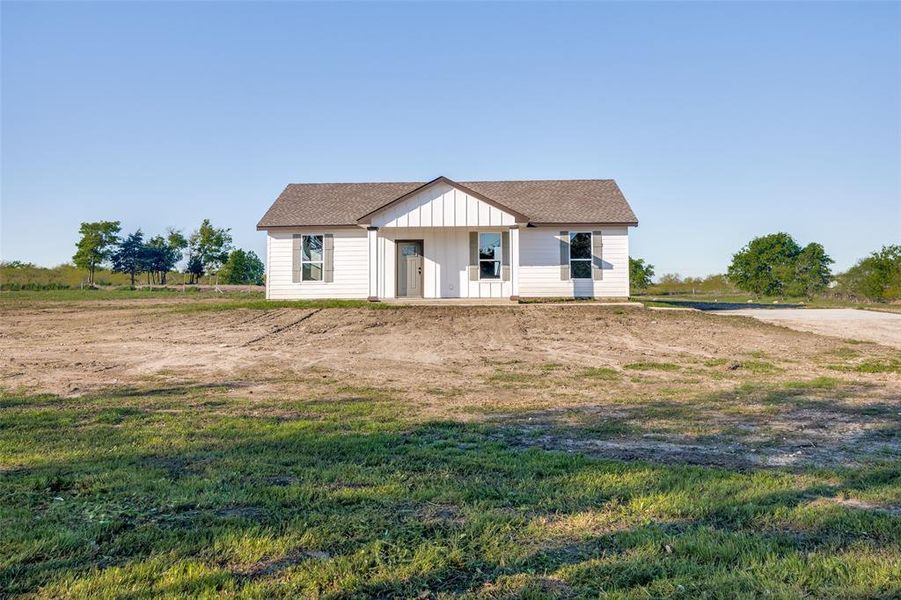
<point>443,262</point>
<point>443,241</point>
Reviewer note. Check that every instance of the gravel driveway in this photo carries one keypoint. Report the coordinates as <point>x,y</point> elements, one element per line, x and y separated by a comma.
<point>849,323</point>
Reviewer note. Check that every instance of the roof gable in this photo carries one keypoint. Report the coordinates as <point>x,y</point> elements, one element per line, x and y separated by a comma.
<point>442,203</point>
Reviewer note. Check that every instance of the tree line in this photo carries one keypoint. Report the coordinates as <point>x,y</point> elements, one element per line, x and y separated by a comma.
<point>208,250</point>
<point>776,265</point>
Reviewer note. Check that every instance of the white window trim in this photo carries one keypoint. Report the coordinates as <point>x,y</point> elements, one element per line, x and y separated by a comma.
<point>589,260</point>
<point>321,262</point>
<point>499,259</point>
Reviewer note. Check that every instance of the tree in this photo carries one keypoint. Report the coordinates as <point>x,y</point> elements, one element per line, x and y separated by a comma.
<point>775,265</point>
<point>242,268</point>
<point>668,283</point>
<point>876,277</point>
<point>159,258</point>
<point>176,239</point>
<point>96,245</point>
<point>177,243</point>
<point>194,268</point>
<point>17,264</point>
<point>131,256</point>
<point>812,275</point>
<point>640,273</point>
<point>211,246</point>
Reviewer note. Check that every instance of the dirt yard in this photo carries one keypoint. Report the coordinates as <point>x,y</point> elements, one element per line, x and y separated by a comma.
<point>620,382</point>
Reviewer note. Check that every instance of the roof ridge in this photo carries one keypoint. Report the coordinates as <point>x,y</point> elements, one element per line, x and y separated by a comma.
<point>455,180</point>
<point>355,182</point>
<point>528,180</point>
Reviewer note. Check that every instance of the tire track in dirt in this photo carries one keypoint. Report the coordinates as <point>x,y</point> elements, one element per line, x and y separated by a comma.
<point>265,316</point>
<point>281,328</point>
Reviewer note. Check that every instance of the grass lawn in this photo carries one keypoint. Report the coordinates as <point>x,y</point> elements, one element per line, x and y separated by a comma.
<point>78,296</point>
<point>197,490</point>
<point>187,301</point>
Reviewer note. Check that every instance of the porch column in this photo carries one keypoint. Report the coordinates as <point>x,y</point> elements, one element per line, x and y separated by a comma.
<point>372,238</point>
<point>514,262</point>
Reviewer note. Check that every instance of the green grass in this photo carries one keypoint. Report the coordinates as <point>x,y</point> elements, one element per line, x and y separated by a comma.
<point>758,366</point>
<point>193,491</point>
<point>716,362</point>
<point>843,352</point>
<point>605,373</point>
<point>817,383</point>
<point>755,366</point>
<point>63,276</point>
<point>871,366</point>
<point>652,366</point>
<point>271,304</point>
<point>706,301</point>
<point>195,300</point>
<point>78,295</point>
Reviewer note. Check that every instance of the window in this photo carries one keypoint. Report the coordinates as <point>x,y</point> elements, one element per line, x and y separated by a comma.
<point>311,258</point>
<point>489,256</point>
<point>580,255</point>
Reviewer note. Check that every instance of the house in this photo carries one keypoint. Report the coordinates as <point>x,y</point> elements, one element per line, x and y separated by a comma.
<point>448,239</point>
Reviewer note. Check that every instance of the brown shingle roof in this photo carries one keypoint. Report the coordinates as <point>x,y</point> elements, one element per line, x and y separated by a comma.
<point>545,201</point>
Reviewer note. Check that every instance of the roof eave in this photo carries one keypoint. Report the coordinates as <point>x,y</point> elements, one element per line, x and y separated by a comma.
<point>261,227</point>
<point>579,223</point>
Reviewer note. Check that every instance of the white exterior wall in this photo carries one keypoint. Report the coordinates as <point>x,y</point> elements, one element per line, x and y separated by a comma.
<point>539,264</point>
<point>445,258</point>
<point>442,205</point>
<point>351,261</point>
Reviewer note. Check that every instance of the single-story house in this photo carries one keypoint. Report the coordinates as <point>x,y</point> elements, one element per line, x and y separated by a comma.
<point>448,239</point>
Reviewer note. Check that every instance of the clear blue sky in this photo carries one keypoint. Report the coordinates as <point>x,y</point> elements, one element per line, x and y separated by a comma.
<point>720,121</point>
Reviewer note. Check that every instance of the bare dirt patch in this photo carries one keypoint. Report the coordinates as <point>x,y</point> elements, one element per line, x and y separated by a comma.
<point>269,567</point>
<point>734,392</point>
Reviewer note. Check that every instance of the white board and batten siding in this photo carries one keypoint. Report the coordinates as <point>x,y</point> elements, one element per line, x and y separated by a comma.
<point>539,264</point>
<point>442,205</point>
<point>351,262</point>
<point>445,259</point>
